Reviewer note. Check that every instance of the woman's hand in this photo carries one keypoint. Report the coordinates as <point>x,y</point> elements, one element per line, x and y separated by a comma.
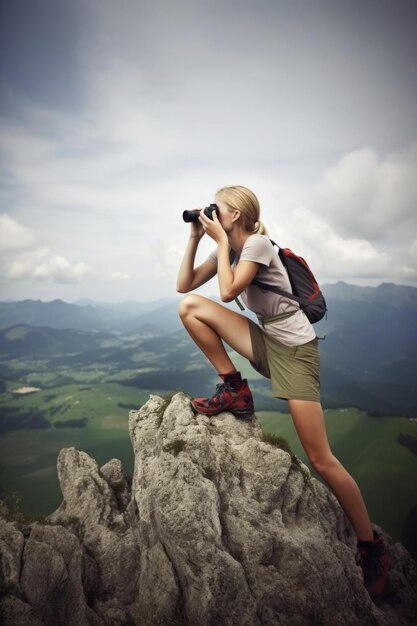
<point>213,228</point>
<point>197,230</point>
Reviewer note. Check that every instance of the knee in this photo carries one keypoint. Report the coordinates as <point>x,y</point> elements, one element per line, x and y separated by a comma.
<point>188,305</point>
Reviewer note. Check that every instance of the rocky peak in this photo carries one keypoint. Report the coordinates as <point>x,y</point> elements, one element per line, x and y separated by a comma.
<point>217,527</point>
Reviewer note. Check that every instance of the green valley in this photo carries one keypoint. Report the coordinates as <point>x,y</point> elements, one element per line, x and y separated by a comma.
<point>73,384</point>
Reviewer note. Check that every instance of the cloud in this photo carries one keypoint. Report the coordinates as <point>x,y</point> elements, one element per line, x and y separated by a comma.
<point>165,112</point>
<point>23,255</point>
<point>369,196</point>
<point>245,82</point>
<point>168,259</point>
<point>14,237</point>
<point>333,256</point>
<point>119,276</point>
<point>412,256</point>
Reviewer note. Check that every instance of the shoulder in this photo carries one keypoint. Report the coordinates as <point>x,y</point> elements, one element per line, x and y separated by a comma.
<point>258,248</point>
<point>258,242</point>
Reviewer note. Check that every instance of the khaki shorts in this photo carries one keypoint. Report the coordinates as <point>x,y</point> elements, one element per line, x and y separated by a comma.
<point>294,370</point>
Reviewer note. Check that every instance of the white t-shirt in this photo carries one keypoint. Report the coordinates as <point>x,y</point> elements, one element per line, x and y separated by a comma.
<point>293,331</point>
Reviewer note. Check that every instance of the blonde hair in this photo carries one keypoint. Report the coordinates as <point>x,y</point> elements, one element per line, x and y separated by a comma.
<point>245,201</point>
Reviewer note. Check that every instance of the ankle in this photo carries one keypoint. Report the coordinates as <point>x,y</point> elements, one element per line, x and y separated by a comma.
<point>367,543</point>
<point>234,379</point>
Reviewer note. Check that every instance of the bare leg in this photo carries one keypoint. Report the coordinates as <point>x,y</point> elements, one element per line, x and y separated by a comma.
<point>309,423</point>
<point>208,323</point>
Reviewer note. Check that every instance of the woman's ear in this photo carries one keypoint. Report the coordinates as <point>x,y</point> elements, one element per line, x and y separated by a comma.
<point>235,215</point>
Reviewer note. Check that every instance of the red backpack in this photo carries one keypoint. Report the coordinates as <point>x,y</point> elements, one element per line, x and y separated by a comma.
<point>305,289</point>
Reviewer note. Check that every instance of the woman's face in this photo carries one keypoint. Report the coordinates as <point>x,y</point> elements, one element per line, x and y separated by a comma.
<point>227,217</point>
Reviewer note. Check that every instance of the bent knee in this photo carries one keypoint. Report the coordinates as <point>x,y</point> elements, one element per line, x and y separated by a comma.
<point>189,303</point>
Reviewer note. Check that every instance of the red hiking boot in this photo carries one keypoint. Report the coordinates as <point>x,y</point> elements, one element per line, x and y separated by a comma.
<point>374,560</point>
<point>227,398</point>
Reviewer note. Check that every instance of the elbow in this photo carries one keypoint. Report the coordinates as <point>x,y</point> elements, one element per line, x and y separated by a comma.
<point>183,287</point>
<point>227,297</point>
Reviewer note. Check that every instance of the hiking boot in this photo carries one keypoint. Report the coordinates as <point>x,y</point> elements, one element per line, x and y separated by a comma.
<point>227,398</point>
<point>374,560</point>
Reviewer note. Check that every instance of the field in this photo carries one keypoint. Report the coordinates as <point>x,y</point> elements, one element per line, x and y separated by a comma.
<point>367,446</point>
<point>28,465</point>
<point>28,456</point>
<point>84,396</point>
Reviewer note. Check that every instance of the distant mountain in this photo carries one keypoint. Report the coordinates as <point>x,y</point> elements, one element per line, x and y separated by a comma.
<point>88,317</point>
<point>368,354</point>
<point>366,336</point>
<point>163,319</point>
<point>56,314</point>
<point>21,340</point>
<point>130,308</point>
<point>397,296</point>
<point>158,317</point>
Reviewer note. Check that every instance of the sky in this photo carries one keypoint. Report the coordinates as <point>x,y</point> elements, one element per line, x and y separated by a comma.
<point>117,116</point>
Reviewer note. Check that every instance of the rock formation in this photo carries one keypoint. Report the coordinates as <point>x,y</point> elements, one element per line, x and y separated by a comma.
<point>218,527</point>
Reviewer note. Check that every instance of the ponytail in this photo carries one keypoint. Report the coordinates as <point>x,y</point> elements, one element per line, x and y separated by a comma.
<point>245,201</point>
<point>260,228</point>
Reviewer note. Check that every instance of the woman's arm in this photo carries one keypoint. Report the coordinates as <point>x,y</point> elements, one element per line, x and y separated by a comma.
<point>231,283</point>
<point>189,278</point>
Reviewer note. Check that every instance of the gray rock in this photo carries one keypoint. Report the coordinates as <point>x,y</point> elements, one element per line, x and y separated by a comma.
<point>218,527</point>
<point>94,504</point>
<point>251,539</point>
<point>15,612</point>
<point>11,549</point>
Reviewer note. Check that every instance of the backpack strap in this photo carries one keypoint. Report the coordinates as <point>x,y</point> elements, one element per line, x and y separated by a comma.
<point>277,290</point>
<point>261,285</point>
<point>280,292</point>
<point>276,318</point>
<point>239,304</point>
<point>231,259</point>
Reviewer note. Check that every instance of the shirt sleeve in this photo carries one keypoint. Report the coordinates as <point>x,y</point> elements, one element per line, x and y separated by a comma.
<point>259,249</point>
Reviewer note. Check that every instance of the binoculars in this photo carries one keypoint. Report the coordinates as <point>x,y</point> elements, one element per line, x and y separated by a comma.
<point>192,216</point>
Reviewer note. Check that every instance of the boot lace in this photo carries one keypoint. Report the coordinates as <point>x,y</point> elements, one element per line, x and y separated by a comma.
<point>220,392</point>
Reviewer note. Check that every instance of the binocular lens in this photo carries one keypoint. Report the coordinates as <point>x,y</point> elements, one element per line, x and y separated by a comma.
<point>192,216</point>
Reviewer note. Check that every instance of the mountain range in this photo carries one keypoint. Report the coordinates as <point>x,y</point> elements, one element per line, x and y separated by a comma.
<point>86,315</point>
<point>344,301</point>
<point>368,350</point>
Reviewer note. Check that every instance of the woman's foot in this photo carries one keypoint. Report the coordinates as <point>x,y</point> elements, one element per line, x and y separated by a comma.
<point>374,560</point>
<point>228,397</point>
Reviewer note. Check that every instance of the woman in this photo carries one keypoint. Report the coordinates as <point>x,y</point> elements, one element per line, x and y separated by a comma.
<point>284,349</point>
